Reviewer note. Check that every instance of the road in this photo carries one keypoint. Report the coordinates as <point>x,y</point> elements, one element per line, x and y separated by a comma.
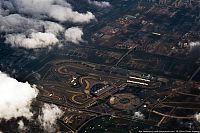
<point>194,74</point>
<point>126,54</point>
<point>173,116</point>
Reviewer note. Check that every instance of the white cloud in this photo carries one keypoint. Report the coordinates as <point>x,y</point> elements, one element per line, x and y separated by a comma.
<point>17,23</point>
<point>74,35</point>
<point>34,40</point>
<point>102,4</point>
<point>28,26</point>
<point>15,101</point>
<point>67,14</point>
<point>51,27</point>
<point>21,125</point>
<point>194,45</point>
<point>15,98</point>
<point>27,32</point>
<point>59,10</point>
<point>197,117</point>
<point>138,115</point>
<point>194,48</point>
<point>50,113</point>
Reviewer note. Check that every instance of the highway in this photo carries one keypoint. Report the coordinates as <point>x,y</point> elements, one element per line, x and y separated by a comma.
<point>173,116</point>
<point>174,105</point>
<point>194,74</point>
<point>164,118</point>
<point>126,54</point>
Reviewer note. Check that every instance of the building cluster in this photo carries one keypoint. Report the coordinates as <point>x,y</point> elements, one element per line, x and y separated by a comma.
<point>158,27</point>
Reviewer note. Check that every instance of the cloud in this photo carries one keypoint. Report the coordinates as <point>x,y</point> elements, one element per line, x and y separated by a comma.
<point>56,9</point>
<point>15,101</point>
<point>102,4</point>
<point>51,27</point>
<point>15,98</point>
<point>138,115</point>
<point>67,14</point>
<point>34,40</point>
<point>21,125</point>
<point>25,21</point>
<point>17,23</point>
<point>74,35</point>
<point>194,49</point>
<point>27,32</point>
<point>194,45</point>
<point>197,117</point>
<point>50,113</point>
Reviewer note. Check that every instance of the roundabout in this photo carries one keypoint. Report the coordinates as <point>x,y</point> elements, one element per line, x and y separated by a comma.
<point>125,101</point>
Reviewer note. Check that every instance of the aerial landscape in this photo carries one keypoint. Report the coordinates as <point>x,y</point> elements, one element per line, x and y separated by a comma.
<point>99,66</point>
